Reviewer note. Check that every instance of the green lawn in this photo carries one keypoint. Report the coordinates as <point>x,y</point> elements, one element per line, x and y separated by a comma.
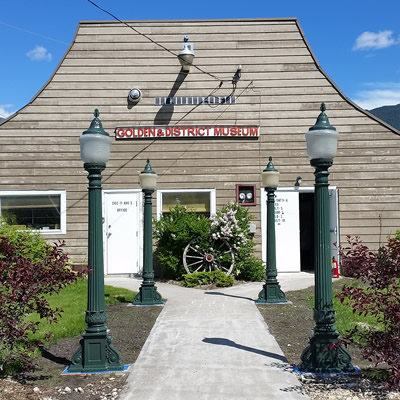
<point>73,300</point>
<point>345,318</point>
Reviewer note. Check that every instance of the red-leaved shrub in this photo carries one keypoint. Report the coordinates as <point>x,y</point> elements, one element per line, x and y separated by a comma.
<point>380,272</point>
<point>23,289</point>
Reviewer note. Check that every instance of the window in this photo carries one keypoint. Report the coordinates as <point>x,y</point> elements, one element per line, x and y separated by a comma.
<point>201,201</point>
<point>43,210</point>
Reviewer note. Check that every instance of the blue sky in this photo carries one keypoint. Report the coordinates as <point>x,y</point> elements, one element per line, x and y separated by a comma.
<point>356,42</point>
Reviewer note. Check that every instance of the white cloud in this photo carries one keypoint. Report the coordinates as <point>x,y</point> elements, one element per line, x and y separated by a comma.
<point>4,113</point>
<point>39,53</point>
<point>372,40</point>
<point>379,94</point>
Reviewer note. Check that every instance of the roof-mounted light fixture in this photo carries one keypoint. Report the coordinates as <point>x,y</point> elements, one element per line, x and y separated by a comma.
<point>186,55</point>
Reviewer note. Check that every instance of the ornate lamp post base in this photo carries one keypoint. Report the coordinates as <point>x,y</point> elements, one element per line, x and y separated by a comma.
<point>325,353</point>
<point>96,353</point>
<point>271,293</point>
<point>148,295</point>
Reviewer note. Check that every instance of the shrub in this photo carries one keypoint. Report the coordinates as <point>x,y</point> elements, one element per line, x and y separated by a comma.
<point>355,258</point>
<point>28,243</point>
<point>230,224</point>
<point>173,232</point>
<point>23,286</point>
<point>216,277</point>
<point>380,271</point>
<point>250,269</point>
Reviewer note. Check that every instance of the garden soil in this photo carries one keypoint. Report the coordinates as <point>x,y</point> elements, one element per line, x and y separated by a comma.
<point>129,328</point>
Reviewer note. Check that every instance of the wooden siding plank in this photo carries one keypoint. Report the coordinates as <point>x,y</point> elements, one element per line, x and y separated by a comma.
<point>173,42</point>
<point>148,50</point>
<point>196,79</point>
<point>374,223</point>
<point>271,32</point>
<point>200,60</point>
<point>170,66</point>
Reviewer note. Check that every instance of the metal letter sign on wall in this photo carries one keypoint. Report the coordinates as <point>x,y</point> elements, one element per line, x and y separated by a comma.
<point>194,100</point>
<point>166,132</point>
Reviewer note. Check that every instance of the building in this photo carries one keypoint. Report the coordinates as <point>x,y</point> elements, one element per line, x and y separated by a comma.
<point>260,109</point>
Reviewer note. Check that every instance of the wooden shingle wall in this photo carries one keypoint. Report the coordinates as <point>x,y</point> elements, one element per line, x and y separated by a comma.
<point>281,89</point>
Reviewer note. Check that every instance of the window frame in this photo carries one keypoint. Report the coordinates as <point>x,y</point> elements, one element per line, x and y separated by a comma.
<point>63,206</point>
<point>212,193</point>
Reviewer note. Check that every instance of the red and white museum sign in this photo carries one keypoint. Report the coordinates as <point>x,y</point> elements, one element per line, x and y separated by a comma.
<point>162,132</point>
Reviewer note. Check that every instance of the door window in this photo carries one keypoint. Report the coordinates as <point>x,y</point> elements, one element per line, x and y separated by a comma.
<point>201,201</point>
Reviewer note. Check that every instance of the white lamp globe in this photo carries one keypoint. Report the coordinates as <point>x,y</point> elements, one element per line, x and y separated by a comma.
<point>270,175</point>
<point>322,138</point>
<point>148,178</point>
<point>95,143</point>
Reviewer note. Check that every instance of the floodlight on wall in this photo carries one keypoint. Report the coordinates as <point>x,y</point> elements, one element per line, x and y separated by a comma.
<point>298,181</point>
<point>134,96</point>
<point>186,55</point>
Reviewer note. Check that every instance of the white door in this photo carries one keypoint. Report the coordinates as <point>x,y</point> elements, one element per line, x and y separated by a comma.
<point>287,226</point>
<point>122,245</point>
<point>287,230</point>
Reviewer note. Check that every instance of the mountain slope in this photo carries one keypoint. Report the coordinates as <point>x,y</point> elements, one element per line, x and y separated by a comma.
<point>389,114</point>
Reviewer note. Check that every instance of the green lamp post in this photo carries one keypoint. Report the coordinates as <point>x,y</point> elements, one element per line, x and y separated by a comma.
<point>271,292</point>
<point>324,352</point>
<point>148,294</point>
<point>96,352</point>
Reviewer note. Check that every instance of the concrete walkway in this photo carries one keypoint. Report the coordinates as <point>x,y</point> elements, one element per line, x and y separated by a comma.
<point>212,345</point>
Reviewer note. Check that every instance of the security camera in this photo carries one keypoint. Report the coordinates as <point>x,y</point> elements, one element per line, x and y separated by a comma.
<point>134,96</point>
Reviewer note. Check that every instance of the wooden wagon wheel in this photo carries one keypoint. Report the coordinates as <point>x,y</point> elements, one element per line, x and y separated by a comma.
<point>219,255</point>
